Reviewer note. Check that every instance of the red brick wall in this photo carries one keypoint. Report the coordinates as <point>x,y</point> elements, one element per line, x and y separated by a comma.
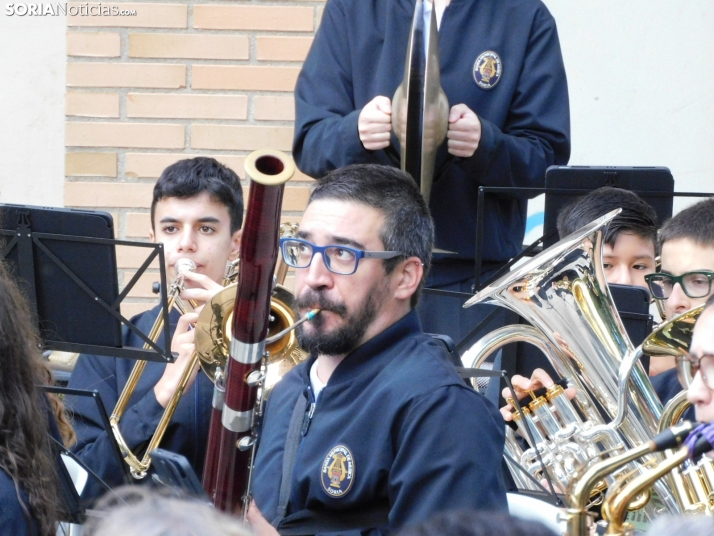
<point>175,81</point>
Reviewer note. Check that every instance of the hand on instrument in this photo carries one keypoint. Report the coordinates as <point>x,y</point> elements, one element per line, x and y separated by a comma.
<point>200,287</point>
<point>375,123</point>
<point>521,385</point>
<point>464,133</point>
<point>183,344</point>
<point>258,523</point>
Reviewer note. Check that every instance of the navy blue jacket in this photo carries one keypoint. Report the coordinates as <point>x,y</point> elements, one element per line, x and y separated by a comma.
<point>187,433</point>
<point>14,500</point>
<point>666,385</point>
<point>419,438</point>
<point>359,52</point>
<point>13,519</point>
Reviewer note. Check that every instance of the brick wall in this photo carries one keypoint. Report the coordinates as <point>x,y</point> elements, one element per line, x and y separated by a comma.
<point>175,81</point>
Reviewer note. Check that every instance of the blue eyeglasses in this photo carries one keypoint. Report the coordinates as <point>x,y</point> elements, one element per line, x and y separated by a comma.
<point>342,260</point>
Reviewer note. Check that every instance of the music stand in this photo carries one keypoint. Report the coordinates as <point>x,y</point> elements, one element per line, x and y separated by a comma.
<point>565,184</point>
<point>73,511</point>
<point>65,263</point>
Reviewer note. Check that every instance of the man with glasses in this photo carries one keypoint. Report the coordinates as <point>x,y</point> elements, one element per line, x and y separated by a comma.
<point>375,430</point>
<point>701,365</point>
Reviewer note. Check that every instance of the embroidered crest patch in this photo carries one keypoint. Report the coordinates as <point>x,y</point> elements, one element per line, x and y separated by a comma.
<point>337,471</point>
<point>487,69</point>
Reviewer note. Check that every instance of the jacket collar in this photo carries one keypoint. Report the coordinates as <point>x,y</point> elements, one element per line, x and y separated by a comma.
<point>375,352</point>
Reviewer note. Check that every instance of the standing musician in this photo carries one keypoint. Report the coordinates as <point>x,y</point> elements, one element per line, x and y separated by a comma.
<point>196,211</point>
<point>502,71</point>
<point>375,430</point>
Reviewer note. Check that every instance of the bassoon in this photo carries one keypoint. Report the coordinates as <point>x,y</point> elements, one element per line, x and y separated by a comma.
<point>231,442</point>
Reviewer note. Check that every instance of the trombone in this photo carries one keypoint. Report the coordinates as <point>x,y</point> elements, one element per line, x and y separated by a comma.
<point>212,344</point>
<point>139,467</point>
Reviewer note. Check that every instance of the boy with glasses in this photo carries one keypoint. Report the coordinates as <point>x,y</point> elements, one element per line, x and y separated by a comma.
<point>375,430</point>
<point>685,279</point>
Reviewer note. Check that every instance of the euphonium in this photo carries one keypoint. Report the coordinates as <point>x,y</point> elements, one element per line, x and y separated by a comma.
<point>562,292</point>
<point>577,516</point>
<point>692,483</point>
<point>615,506</point>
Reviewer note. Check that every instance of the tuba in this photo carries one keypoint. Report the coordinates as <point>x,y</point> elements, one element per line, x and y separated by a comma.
<point>562,292</point>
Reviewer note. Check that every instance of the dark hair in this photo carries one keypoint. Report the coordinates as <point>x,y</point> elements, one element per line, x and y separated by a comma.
<point>408,226</point>
<point>695,223</point>
<point>471,523</point>
<point>25,451</point>
<point>191,177</point>
<point>637,216</point>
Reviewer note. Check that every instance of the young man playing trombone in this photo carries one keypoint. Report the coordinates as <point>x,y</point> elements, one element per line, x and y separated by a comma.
<point>196,212</point>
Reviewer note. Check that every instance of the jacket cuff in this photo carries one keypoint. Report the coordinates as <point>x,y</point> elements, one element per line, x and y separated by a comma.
<point>140,420</point>
<point>478,163</point>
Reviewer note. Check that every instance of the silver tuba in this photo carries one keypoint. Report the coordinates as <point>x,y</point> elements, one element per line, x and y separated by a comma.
<point>562,292</point>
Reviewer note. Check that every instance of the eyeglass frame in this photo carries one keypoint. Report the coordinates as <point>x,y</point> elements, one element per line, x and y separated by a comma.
<point>359,254</point>
<point>680,279</point>
<point>686,374</point>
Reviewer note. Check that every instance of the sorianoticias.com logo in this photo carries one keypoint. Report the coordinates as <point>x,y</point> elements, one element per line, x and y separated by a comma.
<point>73,10</point>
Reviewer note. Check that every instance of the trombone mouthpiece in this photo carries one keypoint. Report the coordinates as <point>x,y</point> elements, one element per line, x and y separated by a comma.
<point>184,265</point>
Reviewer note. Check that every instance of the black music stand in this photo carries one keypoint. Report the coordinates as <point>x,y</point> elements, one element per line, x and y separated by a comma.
<point>65,263</point>
<point>565,184</point>
<point>72,508</point>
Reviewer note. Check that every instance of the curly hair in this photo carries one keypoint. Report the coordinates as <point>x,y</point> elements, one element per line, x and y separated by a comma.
<point>25,450</point>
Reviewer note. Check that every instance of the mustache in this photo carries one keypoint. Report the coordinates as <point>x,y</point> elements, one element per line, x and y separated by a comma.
<point>312,298</point>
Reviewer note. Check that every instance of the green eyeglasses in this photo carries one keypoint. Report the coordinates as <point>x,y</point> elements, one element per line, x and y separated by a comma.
<point>694,284</point>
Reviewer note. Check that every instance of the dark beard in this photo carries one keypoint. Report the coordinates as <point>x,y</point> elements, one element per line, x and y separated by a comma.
<point>343,339</point>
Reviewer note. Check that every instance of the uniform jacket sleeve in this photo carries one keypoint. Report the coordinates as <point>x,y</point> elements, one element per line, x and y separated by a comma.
<point>326,135</point>
<point>444,461</point>
<point>93,442</point>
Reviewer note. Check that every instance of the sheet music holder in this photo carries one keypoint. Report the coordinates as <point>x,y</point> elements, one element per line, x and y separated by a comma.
<point>655,185</point>
<point>65,263</point>
<point>73,511</point>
